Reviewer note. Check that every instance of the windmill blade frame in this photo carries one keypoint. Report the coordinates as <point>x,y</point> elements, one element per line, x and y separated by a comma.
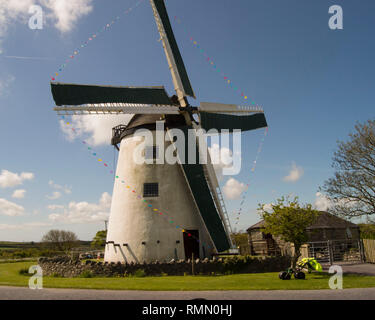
<point>213,184</point>
<point>116,108</point>
<point>176,64</point>
<point>213,107</point>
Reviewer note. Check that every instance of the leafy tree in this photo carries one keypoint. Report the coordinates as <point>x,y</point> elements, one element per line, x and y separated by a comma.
<point>99,239</point>
<point>352,189</point>
<point>367,230</point>
<point>240,238</point>
<point>60,240</point>
<point>288,220</point>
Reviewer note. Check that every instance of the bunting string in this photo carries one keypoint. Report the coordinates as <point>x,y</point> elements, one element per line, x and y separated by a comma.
<point>90,39</point>
<point>254,165</point>
<point>212,63</point>
<point>127,187</point>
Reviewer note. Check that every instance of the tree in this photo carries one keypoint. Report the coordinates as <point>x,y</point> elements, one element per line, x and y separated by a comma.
<point>288,220</point>
<point>60,240</point>
<point>240,238</point>
<point>99,239</point>
<point>352,189</point>
<point>367,230</point>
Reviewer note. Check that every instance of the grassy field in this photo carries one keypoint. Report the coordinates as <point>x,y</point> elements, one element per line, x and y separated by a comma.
<point>20,250</point>
<point>262,281</point>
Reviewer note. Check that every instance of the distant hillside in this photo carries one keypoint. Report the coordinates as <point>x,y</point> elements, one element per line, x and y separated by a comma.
<point>31,245</point>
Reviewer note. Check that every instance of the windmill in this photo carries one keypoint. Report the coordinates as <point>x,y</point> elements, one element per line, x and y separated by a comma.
<point>190,193</point>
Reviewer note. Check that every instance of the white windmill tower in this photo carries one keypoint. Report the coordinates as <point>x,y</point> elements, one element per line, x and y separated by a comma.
<point>188,193</point>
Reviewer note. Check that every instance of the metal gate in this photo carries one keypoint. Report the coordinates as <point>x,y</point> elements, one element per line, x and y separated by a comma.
<point>333,251</point>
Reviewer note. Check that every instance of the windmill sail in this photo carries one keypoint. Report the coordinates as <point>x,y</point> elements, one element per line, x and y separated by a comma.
<point>77,94</point>
<point>179,75</point>
<point>232,122</point>
<point>214,187</point>
<point>230,116</point>
<point>199,186</point>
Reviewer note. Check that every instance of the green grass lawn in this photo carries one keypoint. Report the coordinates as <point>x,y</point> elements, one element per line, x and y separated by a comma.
<point>257,281</point>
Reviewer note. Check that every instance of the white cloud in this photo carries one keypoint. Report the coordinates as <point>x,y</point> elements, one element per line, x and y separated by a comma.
<point>221,158</point>
<point>84,212</point>
<point>65,189</point>
<point>12,10</point>
<point>19,194</point>
<point>63,13</point>
<point>27,176</point>
<point>55,195</point>
<point>233,189</point>
<point>295,173</point>
<point>96,129</point>
<point>9,179</point>
<point>10,208</point>
<point>5,82</point>
<point>322,202</point>
<point>54,207</point>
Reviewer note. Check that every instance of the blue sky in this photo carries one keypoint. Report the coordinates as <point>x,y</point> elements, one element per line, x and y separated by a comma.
<point>314,84</point>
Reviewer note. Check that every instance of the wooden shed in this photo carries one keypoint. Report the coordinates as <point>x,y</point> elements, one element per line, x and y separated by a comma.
<point>326,227</point>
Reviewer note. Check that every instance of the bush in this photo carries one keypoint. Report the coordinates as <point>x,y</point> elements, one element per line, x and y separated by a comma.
<point>24,272</point>
<point>86,274</point>
<point>250,264</point>
<point>26,253</point>
<point>140,273</point>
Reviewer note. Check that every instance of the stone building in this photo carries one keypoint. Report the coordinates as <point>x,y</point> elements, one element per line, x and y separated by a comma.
<point>326,227</point>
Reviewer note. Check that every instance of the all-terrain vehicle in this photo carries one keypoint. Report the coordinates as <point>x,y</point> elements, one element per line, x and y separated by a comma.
<point>308,264</point>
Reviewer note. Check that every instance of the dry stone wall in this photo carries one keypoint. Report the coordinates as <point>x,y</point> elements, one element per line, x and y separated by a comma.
<point>65,267</point>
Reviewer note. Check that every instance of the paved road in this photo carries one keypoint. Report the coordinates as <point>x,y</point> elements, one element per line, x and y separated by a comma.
<point>13,293</point>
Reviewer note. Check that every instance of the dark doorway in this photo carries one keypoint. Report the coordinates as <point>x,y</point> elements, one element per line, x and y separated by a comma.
<point>191,243</point>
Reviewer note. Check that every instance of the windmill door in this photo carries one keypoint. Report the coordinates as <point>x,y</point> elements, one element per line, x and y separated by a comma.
<point>191,243</point>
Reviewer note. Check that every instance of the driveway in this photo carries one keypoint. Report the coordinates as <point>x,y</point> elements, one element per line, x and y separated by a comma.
<point>367,269</point>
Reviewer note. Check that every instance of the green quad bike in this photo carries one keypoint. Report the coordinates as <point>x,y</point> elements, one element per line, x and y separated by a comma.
<point>308,264</point>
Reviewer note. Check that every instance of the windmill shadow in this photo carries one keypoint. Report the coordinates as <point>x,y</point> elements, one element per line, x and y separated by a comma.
<point>123,255</point>
<point>132,254</point>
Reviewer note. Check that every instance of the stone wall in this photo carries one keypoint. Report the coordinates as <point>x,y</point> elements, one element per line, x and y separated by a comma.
<point>65,267</point>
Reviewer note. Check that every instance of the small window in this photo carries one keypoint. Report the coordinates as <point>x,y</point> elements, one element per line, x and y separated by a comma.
<point>151,190</point>
<point>151,152</point>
